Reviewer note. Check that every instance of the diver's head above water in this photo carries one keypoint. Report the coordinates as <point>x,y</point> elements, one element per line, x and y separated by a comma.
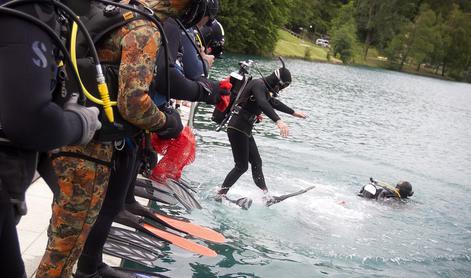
<point>279,79</point>
<point>405,189</point>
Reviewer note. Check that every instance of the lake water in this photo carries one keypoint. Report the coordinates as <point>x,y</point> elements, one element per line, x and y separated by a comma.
<point>362,123</point>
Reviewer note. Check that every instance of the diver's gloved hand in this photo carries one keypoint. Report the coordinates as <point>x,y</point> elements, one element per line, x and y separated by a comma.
<point>211,91</point>
<point>19,209</point>
<point>173,124</point>
<point>268,198</point>
<point>149,161</point>
<point>89,117</point>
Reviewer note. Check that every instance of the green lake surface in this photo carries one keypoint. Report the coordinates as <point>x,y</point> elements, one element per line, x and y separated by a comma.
<point>361,123</point>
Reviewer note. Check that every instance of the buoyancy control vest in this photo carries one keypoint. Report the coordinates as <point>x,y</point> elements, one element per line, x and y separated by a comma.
<point>100,21</point>
<point>43,14</point>
<point>239,80</point>
<point>374,191</point>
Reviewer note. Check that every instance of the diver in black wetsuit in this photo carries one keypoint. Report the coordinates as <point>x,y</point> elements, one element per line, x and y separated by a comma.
<point>30,120</point>
<point>121,185</point>
<point>380,190</point>
<point>257,97</point>
<point>213,37</point>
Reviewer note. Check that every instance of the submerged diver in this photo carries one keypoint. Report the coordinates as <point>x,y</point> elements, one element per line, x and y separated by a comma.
<point>259,96</point>
<point>380,190</point>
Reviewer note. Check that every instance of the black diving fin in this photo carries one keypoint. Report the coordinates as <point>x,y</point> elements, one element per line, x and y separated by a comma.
<point>142,182</point>
<point>172,188</point>
<point>182,194</point>
<point>130,252</point>
<point>188,184</point>
<point>138,239</point>
<point>277,199</point>
<point>155,195</point>
<point>244,203</point>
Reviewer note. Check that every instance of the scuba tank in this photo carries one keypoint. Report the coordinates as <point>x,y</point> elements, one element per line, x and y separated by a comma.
<point>239,80</point>
<point>101,20</point>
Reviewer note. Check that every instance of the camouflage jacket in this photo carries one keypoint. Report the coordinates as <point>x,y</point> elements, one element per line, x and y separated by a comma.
<point>135,48</point>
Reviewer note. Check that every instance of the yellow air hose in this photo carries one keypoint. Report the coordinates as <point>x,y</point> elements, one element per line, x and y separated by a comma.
<point>389,187</point>
<point>102,87</point>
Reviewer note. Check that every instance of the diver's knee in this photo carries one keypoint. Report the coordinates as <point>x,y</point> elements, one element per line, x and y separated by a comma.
<point>242,168</point>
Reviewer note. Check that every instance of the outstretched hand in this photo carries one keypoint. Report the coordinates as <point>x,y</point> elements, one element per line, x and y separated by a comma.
<point>283,127</point>
<point>300,114</point>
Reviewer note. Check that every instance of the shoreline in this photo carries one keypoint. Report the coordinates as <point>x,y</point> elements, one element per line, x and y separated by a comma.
<point>290,46</point>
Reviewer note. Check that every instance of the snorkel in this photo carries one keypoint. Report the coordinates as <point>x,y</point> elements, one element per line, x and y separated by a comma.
<point>278,74</point>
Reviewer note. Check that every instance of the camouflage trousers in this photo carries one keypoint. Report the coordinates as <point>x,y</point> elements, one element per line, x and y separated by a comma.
<point>82,189</point>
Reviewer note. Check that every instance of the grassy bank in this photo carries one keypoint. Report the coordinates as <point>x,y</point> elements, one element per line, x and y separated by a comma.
<point>292,46</point>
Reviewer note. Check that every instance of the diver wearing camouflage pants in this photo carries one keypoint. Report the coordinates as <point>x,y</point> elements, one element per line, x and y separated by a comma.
<point>82,187</point>
<point>83,172</point>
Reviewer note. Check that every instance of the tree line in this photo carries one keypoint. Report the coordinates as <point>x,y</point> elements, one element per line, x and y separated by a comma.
<point>435,34</point>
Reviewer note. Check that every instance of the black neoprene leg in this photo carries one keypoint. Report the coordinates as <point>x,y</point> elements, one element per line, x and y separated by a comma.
<point>11,262</point>
<point>256,163</point>
<point>130,194</point>
<point>120,180</point>
<point>240,151</point>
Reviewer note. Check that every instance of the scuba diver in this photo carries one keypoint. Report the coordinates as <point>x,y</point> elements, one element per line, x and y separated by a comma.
<point>31,121</point>
<point>213,38</point>
<point>258,96</point>
<point>121,183</point>
<point>380,190</point>
<point>191,61</point>
<point>195,67</point>
<point>83,173</point>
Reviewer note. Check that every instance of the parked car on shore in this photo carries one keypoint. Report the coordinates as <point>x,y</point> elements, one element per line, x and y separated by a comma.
<point>323,43</point>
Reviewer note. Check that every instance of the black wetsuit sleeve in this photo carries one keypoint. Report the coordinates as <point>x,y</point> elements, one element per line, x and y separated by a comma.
<point>259,91</point>
<point>28,116</point>
<point>280,106</point>
<point>383,194</point>
<point>180,87</point>
<point>386,194</point>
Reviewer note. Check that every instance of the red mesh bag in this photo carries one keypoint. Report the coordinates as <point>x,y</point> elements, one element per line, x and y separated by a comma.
<point>177,153</point>
<point>225,99</point>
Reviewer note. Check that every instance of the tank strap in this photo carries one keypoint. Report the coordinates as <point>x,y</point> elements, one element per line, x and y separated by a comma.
<point>84,157</point>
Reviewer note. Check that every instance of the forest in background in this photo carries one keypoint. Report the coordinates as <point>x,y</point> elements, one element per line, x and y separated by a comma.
<point>426,35</point>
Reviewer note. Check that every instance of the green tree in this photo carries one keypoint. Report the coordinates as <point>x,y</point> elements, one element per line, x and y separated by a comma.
<point>315,13</point>
<point>426,34</point>
<point>251,25</point>
<point>379,21</point>
<point>416,40</point>
<point>441,44</point>
<point>457,50</point>
<point>343,34</point>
